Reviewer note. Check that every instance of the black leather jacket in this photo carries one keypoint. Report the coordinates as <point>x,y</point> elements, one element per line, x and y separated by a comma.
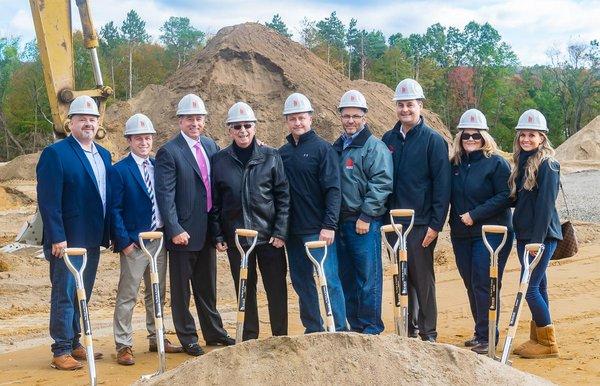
<point>253,197</point>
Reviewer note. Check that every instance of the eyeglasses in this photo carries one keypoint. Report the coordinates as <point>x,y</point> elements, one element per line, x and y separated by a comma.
<point>472,137</point>
<point>246,126</point>
<point>356,117</point>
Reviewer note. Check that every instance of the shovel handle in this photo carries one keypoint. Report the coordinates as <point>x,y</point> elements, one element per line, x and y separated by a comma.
<point>75,251</point>
<point>500,229</point>
<point>402,212</point>
<point>246,232</point>
<point>154,235</point>
<point>390,228</point>
<point>533,247</point>
<point>315,244</point>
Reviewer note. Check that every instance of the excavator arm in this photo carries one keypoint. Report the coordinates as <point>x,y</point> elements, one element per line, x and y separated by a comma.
<point>53,28</point>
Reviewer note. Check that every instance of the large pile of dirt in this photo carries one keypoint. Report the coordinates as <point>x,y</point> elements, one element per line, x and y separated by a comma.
<point>20,168</point>
<point>253,63</point>
<point>583,145</point>
<point>345,359</point>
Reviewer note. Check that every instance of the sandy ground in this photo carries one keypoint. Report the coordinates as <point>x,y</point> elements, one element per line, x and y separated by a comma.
<point>25,289</point>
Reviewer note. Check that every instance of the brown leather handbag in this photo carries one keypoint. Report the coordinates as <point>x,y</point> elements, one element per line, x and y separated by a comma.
<point>568,246</point>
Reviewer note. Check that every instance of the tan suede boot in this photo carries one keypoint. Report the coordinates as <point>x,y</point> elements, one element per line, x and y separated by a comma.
<point>545,347</point>
<point>532,339</point>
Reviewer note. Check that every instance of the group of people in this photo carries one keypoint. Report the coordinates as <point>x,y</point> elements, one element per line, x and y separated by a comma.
<point>198,195</point>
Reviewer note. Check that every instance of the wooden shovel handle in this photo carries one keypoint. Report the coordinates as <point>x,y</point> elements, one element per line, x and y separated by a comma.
<point>402,212</point>
<point>315,244</point>
<point>75,251</point>
<point>151,235</point>
<point>246,232</point>
<point>494,229</point>
<point>390,228</point>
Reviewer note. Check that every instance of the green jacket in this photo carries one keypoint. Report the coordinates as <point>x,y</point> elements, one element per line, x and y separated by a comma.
<point>366,171</point>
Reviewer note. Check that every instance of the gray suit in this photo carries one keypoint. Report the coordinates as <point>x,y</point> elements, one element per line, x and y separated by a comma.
<point>181,198</point>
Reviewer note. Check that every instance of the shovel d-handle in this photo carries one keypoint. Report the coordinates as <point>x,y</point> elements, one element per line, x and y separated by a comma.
<point>393,256</point>
<point>83,307</point>
<point>243,281</point>
<point>493,292</point>
<point>515,315</point>
<point>322,279</point>
<point>156,299</point>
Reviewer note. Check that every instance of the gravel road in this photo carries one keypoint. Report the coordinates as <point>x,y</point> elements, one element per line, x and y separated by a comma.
<point>583,196</point>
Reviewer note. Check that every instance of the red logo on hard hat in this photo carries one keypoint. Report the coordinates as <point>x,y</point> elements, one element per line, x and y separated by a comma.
<point>403,89</point>
<point>242,111</point>
<point>295,103</point>
<point>88,104</point>
<point>194,104</point>
<point>472,118</point>
<point>530,119</point>
<point>142,124</point>
<point>349,163</point>
<point>353,98</point>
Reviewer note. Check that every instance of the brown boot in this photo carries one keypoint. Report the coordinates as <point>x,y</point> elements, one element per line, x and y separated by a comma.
<point>81,355</point>
<point>532,339</point>
<point>125,356</point>
<point>66,362</point>
<point>170,348</point>
<point>545,347</point>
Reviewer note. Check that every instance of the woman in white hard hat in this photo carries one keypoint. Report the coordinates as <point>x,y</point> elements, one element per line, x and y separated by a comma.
<point>534,183</point>
<point>480,196</point>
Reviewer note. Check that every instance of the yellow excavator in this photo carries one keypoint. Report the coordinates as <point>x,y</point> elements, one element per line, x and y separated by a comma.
<point>53,29</point>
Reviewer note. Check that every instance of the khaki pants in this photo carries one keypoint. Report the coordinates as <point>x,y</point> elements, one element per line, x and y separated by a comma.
<point>134,268</point>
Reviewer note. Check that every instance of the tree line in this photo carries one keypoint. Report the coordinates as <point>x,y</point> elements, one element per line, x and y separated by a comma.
<point>458,68</point>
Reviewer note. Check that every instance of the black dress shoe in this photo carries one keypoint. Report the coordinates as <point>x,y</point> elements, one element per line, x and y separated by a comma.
<point>193,349</point>
<point>472,342</point>
<point>481,348</point>
<point>224,341</point>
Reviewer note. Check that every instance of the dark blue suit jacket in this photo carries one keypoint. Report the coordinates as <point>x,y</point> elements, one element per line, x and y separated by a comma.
<point>131,205</point>
<point>68,196</point>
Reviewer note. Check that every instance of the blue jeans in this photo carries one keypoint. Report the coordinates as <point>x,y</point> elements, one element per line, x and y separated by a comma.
<point>537,292</point>
<point>359,258</point>
<point>65,327</point>
<point>473,262</point>
<point>301,273</point>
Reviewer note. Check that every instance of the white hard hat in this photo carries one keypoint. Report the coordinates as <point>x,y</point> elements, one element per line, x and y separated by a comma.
<point>297,103</point>
<point>473,119</point>
<point>191,104</point>
<point>139,124</point>
<point>532,120</point>
<point>408,89</point>
<point>240,112</point>
<point>353,98</point>
<point>83,105</point>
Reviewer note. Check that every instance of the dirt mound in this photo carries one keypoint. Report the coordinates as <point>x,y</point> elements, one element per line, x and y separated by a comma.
<point>253,63</point>
<point>20,168</point>
<point>583,145</point>
<point>11,198</point>
<point>344,359</point>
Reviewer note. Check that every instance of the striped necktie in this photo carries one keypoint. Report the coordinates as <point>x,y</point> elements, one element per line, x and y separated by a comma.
<point>150,193</point>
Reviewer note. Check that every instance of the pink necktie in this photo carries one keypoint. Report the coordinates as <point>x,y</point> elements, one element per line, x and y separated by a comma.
<point>204,171</point>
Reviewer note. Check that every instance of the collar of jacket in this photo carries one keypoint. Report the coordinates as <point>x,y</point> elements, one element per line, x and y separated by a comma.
<point>472,156</point>
<point>398,127</point>
<point>358,141</point>
<point>257,154</point>
<point>310,134</point>
<point>524,156</point>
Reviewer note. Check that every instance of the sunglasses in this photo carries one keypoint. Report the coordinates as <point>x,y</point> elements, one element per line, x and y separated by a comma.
<point>473,137</point>
<point>246,126</point>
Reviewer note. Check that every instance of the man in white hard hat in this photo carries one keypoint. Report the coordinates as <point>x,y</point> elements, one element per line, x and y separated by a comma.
<point>250,190</point>
<point>422,183</point>
<point>135,210</point>
<point>366,182</point>
<point>183,191</point>
<point>314,177</point>
<point>74,202</point>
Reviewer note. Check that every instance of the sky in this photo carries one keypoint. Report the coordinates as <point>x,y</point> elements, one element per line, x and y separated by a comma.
<point>529,27</point>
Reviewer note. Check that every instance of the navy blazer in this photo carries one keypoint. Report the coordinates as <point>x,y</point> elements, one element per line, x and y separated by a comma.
<point>68,196</point>
<point>180,192</point>
<point>131,205</point>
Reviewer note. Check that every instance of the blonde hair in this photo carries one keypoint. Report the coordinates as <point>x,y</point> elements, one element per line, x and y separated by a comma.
<point>489,146</point>
<point>545,152</point>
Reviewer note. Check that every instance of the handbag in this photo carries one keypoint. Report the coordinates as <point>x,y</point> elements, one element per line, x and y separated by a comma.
<point>568,246</point>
